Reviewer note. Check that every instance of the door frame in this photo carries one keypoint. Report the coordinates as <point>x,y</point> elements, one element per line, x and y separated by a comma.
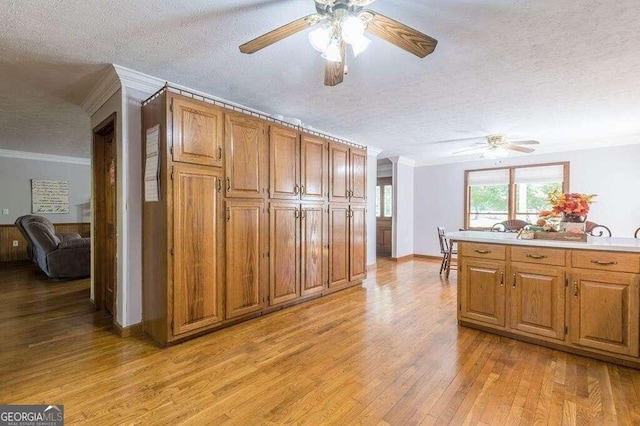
<point>98,174</point>
<point>382,181</point>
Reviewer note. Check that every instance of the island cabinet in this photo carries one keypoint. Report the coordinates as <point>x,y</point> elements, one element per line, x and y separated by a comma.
<point>241,223</point>
<point>584,301</point>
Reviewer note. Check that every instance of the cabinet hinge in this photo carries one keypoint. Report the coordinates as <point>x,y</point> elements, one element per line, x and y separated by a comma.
<point>171,106</point>
<point>566,330</point>
<point>171,149</point>
<point>566,282</point>
<point>171,172</point>
<point>172,326</point>
<point>171,251</point>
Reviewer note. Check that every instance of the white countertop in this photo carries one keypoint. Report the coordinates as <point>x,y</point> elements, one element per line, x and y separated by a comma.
<point>509,238</point>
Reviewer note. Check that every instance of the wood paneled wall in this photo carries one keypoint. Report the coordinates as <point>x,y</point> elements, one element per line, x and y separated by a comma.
<point>9,233</point>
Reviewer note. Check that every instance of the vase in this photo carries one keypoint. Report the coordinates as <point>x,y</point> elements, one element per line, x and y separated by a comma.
<point>572,221</point>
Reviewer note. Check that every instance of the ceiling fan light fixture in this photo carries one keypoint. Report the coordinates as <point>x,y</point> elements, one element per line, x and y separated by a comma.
<point>496,152</point>
<point>332,52</point>
<point>352,28</point>
<point>320,38</point>
<point>359,45</point>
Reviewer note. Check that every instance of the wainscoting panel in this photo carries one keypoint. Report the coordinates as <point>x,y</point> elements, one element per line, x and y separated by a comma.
<point>9,233</point>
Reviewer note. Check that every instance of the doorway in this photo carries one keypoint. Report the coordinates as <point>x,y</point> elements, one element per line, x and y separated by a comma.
<point>384,216</point>
<point>104,170</point>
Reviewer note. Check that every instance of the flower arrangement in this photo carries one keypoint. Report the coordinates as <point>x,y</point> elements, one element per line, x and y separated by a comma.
<point>570,204</point>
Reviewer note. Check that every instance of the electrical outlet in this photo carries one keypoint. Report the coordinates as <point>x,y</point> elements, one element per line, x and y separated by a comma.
<point>15,243</point>
<point>5,211</point>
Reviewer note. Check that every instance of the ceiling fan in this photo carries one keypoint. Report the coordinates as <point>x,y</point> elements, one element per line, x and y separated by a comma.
<point>497,146</point>
<point>341,23</point>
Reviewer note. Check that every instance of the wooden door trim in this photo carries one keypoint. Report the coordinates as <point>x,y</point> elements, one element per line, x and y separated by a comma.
<point>98,175</point>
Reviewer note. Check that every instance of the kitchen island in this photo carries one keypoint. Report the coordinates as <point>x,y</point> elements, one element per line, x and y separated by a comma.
<point>579,297</point>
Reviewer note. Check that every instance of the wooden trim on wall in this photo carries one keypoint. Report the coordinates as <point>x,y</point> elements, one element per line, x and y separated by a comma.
<point>9,233</point>
<point>428,257</point>
<point>511,214</point>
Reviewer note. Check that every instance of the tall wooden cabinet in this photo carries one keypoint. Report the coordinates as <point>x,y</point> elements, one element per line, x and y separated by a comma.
<point>251,216</point>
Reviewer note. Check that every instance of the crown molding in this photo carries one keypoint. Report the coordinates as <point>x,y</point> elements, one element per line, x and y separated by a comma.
<point>24,155</point>
<point>132,79</point>
<point>406,161</point>
<point>372,150</point>
<point>102,92</point>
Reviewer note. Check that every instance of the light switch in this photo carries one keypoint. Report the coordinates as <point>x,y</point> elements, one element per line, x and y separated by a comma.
<point>15,243</point>
<point>5,211</point>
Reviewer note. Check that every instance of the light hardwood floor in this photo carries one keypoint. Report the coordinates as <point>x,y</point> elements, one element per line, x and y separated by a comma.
<point>388,353</point>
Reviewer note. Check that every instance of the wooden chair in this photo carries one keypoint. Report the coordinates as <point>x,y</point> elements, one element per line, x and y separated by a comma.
<point>444,250</point>
<point>596,230</point>
<point>637,233</point>
<point>511,225</point>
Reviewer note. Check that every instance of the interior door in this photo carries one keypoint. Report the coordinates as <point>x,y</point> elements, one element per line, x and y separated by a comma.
<point>384,213</point>
<point>109,259</point>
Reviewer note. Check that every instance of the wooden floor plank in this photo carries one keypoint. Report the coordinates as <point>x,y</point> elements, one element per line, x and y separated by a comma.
<point>387,353</point>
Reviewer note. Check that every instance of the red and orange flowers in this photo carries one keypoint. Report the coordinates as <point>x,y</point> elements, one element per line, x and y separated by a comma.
<point>570,203</point>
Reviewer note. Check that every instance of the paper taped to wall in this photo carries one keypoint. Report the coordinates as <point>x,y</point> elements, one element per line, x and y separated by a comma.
<point>152,165</point>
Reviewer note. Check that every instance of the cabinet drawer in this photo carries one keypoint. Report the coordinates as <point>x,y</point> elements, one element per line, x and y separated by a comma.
<point>606,261</point>
<point>541,256</point>
<point>483,251</point>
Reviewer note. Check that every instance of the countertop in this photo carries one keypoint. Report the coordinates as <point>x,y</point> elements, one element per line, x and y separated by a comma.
<point>508,238</point>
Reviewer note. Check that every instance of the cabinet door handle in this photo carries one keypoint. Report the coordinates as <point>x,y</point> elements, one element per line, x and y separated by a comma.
<point>228,183</point>
<point>296,189</point>
<point>219,153</point>
<point>537,256</point>
<point>513,282</point>
<point>219,184</point>
<point>297,213</point>
<point>228,214</point>
<point>602,263</point>
<point>575,289</point>
<point>303,214</point>
<point>302,189</point>
<point>483,251</point>
<point>501,278</point>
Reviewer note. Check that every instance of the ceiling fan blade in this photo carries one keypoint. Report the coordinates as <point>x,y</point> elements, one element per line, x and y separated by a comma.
<point>519,149</point>
<point>524,143</point>
<point>280,33</point>
<point>407,38</point>
<point>334,71</point>
<point>469,150</point>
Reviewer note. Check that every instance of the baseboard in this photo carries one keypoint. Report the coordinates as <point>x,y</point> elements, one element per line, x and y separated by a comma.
<point>372,267</point>
<point>403,258</point>
<point>428,257</point>
<point>131,330</point>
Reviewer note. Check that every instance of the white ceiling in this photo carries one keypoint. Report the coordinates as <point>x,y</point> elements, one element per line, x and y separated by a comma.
<point>566,73</point>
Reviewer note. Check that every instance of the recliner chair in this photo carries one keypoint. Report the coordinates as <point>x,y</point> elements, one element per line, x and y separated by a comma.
<point>64,255</point>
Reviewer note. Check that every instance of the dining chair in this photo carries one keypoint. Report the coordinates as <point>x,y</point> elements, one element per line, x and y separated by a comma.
<point>444,250</point>
<point>596,230</point>
<point>637,233</point>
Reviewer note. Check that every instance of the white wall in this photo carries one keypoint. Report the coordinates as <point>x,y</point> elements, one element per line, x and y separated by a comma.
<point>403,212</point>
<point>371,207</point>
<point>612,173</point>
<point>15,188</point>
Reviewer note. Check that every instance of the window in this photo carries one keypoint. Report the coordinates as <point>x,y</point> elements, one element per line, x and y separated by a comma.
<point>384,198</point>
<point>496,195</point>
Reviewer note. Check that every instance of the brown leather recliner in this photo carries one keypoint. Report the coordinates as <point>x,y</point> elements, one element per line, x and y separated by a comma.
<point>64,255</point>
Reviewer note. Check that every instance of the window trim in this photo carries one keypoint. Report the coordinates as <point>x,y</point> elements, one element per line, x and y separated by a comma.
<point>511,214</point>
<point>382,182</point>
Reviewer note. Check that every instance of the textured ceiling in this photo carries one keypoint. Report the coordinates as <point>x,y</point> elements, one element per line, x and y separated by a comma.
<point>562,72</point>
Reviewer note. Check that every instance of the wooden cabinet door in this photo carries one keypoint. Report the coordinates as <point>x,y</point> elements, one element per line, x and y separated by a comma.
<point>357,243</point>
<point>314,168</point>
<point>198,131</point>
<point>358,175</point>
<point>284,241</point>
<point>197,286</point>
<point>313,254</point>
<point>482,291</point>
<point>284,156</point>
<point>604,311</point>
<point>537,300</point>
<point>338,172</point>
<point>244,156</point>
<point>244,257</point>
<point>338,246</point>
